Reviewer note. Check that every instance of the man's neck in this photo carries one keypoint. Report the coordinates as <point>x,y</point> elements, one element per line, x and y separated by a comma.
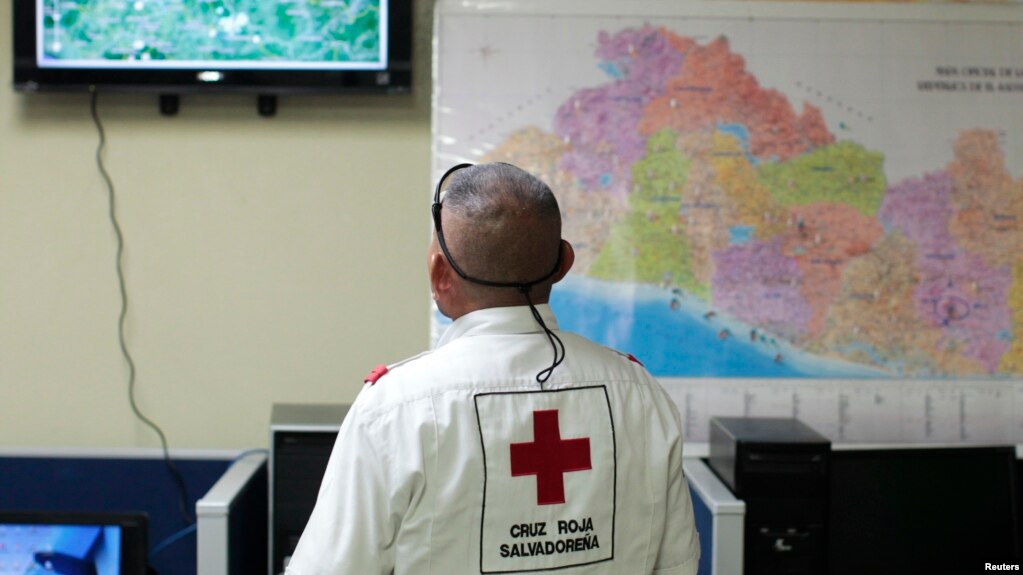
<point>477,307</point>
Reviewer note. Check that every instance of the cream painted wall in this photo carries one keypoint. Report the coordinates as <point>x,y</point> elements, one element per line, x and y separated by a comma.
<point>267,260</point>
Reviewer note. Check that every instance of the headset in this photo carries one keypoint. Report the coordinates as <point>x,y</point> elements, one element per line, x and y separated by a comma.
<point>524,288</point>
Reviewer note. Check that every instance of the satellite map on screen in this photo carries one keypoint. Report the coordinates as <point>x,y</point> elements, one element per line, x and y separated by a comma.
<point>325,33</point>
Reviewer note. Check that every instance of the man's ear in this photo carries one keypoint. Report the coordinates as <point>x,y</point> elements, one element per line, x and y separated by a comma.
<point>444,285</point>
<point>440,273</point>
<point>567,259</point>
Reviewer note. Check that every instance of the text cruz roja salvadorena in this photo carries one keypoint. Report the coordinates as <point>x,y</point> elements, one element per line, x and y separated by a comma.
<point>571,536</point>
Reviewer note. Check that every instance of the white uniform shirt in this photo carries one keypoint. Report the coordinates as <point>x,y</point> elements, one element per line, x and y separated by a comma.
<point>456,461</point>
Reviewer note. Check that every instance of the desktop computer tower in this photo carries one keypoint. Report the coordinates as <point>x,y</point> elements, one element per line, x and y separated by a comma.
<point>301,440</point>
<point>780,469</point>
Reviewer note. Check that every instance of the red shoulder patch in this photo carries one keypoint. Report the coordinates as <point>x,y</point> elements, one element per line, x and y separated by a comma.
<point>376,374</point>
<point>633,359</point>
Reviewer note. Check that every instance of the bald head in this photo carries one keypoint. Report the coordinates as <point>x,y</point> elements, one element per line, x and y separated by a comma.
<point>502,224</point>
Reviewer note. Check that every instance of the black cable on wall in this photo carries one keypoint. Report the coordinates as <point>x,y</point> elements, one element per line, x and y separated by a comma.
<point>175,474</point>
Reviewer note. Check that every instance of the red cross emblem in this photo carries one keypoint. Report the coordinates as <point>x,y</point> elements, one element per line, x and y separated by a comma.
<point>549,457</point>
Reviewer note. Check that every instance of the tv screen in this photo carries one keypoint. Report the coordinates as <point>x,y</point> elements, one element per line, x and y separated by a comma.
<point>73,543</point>
<point>173,46</point>
<point>926,510</point>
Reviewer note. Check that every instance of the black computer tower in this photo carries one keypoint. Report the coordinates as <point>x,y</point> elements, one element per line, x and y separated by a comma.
<point>301,440</point>
<point>780,469</point>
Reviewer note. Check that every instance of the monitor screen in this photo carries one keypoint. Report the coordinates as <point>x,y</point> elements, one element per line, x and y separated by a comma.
<point>73,544</point>
<point>195,45</point>
<point>925,510</point>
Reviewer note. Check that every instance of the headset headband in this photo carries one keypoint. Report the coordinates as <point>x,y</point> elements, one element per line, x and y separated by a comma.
<point>523,287</point>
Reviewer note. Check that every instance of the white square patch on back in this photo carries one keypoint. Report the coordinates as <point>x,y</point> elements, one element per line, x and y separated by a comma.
<point>549,479</point>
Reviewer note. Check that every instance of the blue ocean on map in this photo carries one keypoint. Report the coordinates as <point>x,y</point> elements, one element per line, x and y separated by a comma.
<point>676,335</point>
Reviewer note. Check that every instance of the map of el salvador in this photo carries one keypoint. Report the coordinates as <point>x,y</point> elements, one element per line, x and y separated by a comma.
<point>682,171</point>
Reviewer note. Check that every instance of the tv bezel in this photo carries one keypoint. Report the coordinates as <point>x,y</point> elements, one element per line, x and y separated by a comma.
<point>396,78</point>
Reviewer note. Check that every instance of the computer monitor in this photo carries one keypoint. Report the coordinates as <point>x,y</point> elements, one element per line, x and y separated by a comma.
<point>74,543</point>
<point>922,510</point>
<point>232,520</point>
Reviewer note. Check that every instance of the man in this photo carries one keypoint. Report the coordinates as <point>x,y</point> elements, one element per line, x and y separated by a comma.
<point>512,447</point>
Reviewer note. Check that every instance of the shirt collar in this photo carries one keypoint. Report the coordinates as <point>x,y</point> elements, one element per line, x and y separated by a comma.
<point>498,320</point>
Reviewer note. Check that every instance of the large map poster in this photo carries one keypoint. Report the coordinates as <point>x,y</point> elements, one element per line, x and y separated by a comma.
<point>772,193</point>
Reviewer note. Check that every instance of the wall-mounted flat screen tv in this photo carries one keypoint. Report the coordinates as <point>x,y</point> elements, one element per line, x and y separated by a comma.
<point>174,46</point>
